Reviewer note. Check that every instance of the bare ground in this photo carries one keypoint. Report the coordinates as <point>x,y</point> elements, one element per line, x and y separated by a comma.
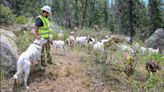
<point>67,75</point>
<point>71,72</point>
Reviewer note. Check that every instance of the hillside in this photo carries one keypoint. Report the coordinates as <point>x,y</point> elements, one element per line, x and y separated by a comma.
<point>80,70</point>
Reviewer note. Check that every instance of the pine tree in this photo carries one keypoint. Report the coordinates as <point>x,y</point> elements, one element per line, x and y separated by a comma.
<point>154,15</point>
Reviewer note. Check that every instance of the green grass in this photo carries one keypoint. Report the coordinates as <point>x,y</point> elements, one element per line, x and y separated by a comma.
<point>143,58</point>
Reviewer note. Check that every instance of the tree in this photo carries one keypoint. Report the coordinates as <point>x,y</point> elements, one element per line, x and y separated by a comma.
<point>128,16</point>
<point>6,15</point>
<point>154,15</point>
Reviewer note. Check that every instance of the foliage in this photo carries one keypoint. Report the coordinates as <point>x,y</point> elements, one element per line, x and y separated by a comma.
<point>151,83</point>
<point>65,36</point>
<point>129,63</point>
<point>6,15</point>
<point>24,41</point>
<point>154,15</point>
<point>24,7</point>
<point>156,57</point>
<point>55,35</point>
<point>21,19</point>
<point>130,17</point>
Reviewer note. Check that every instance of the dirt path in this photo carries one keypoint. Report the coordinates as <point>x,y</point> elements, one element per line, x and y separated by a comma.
<point>70,75</point>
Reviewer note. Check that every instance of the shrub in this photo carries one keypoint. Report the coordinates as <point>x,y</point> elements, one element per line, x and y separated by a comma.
<point>55,36</point>
<point>129,63</point>
<point>65,36</point>
<point>24,41</point>
<point>6,15</point>
<point>21,19</point>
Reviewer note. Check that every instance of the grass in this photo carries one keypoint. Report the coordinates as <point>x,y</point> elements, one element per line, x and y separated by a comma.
<point>118,80</point>
<point>112,74</point>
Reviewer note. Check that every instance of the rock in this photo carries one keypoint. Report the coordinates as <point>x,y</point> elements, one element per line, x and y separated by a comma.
<point>7,33</point>
<point>8,55</point>
<point>156,40</point>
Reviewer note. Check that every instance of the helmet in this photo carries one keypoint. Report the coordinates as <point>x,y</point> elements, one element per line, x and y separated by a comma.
<point>47,9</point>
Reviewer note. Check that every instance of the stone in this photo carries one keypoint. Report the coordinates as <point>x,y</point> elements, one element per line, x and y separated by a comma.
<point>8,55</point>
<point>156,40</point>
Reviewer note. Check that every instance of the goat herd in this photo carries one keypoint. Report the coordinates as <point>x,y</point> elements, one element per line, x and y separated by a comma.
<point>100,45</point>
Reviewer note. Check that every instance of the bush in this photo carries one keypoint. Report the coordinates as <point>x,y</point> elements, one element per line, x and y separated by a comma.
<point>55,36</point>
<point>6,15</point>
<point>24,41</point>
<point>65,36</point>
<point>21,19</point>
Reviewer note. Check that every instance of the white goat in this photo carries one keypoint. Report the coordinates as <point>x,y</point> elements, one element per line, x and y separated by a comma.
<point>59,44</point>
<point>71,41</point>
<point>136,47</point>
<point>104,40</point>
<point>125,48</point>
<point>91,42</point>
<point>82,40</point>
<point>98,46</point>
<point>127,39</point>
<point>151,51</point>
<point>144,50</point>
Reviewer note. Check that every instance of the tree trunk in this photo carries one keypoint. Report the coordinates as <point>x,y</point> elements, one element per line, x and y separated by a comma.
<point>131,30</point>
<point>84,12</point>
<point>92,12</point>
<point>65,13</point>
<point>106,13</point>
<point>76,14</point>
<point>80,16</point>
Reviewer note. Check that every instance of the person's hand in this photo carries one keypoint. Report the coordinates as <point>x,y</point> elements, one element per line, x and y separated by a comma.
<point>45,41</point>
<point>38,37</point>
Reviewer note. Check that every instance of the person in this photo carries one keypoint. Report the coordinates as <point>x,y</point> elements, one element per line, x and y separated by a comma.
<point>42,29</point>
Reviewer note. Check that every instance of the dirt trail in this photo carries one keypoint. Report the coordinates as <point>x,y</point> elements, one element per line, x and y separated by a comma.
<point>70,74</point>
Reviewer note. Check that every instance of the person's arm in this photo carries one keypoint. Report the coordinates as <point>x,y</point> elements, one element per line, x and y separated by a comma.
<point>36,32</point>
<point>38,24</point>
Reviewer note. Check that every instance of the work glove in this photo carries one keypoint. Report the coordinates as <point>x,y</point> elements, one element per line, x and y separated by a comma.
<point>45,41</point>
<point>38,37</point>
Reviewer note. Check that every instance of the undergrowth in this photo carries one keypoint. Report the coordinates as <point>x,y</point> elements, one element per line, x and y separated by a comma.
<point>23,41</point>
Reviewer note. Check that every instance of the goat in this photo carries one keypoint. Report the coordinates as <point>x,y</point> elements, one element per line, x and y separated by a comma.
<point>151,66</point>
<point>143,50</point>
<point>82,40</point>
<point>125,48</point>
<point>98,46</point>
<point>91,42</point>
<point>71,41</point>
<point>59,44</point>
<point>151,51</point>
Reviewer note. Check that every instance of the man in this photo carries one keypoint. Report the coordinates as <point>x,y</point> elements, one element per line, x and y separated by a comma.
<point>42,30</point>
